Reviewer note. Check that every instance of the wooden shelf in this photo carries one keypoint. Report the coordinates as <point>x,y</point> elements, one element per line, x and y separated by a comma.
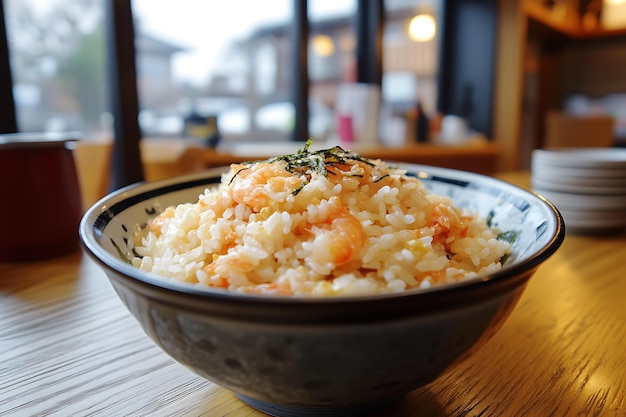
<point>570,27</point>
<point>543,15</point>
<point>601,33</point>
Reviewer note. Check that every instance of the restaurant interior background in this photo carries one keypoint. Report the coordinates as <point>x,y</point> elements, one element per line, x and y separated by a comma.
<point>235,74</point>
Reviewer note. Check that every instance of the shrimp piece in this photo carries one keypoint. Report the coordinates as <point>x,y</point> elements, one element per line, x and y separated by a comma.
<point>218,272</point>
<point>447,223</point>
<point>269,288</point>
<point>340,238</point>
<point>251,185</point>
<point>155,225</point>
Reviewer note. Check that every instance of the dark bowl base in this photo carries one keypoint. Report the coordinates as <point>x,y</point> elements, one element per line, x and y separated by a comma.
<point>281,410</point>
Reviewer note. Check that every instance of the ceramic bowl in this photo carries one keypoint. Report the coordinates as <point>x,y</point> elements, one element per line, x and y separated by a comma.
<point>323,356</point>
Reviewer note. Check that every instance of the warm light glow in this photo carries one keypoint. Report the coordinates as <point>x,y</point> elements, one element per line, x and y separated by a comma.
<point>323,45</point>
<point>422,28</point>
<point>613,14</point>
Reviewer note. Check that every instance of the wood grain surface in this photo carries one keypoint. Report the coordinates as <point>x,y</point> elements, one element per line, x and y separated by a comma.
<point>68,347</point>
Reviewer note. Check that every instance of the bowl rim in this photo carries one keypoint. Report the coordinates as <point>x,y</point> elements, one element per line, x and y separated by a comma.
<point>133,193</point>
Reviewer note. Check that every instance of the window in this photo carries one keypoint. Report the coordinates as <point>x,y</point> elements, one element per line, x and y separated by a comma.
<point>331,61</point>
<point>57,56</point>
<point>196,61</point>
<point>214,62</point>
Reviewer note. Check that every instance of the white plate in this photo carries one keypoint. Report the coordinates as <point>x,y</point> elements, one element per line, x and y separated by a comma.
<point>583,201</point>
<point>575,224</point>
<point>594,216</point>
<point>597,158</point>
<point>598,188</point>
<point>579,175</point>
<point>591,220</point>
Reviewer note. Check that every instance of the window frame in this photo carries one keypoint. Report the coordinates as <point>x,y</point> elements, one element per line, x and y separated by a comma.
<point>8,121</point>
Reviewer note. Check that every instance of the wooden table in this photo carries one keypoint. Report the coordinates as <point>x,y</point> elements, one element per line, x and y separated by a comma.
<point>69,348</point>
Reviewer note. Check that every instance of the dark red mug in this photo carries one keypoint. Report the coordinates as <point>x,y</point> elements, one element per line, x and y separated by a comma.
<point>41,203</point>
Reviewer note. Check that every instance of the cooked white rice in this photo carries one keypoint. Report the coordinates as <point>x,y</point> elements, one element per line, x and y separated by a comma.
<point>356,227</point>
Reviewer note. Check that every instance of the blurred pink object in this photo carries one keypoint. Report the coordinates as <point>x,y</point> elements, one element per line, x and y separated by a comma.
<point>359,102</point>
<point>346,134</point>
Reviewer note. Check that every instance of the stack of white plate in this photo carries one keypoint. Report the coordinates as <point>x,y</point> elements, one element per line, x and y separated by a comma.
<point>588,186</point>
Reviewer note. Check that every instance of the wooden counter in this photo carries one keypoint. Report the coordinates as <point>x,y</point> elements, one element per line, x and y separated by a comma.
<point>476,156</point>
<point>168,158</point>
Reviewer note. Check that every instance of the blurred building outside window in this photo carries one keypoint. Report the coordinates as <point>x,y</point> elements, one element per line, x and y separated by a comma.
<point>331,61</point>
<point>224,69</point>
<point>57,53</point>
<point>198,60</point>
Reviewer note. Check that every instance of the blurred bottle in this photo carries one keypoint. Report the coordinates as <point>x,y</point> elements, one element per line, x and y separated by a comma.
<point>422,124</point>
<point>202,129</point>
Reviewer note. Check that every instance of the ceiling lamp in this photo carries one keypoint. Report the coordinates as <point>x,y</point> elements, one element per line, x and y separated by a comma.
<point>422,28</point>
<point>323,45</point>
<point>613,14</point>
